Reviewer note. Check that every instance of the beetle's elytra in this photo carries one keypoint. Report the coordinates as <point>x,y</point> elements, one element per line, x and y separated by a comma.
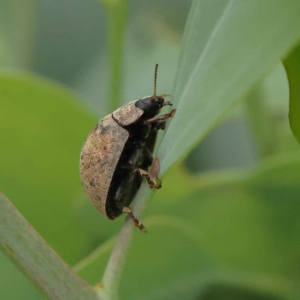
<point>118,154</point>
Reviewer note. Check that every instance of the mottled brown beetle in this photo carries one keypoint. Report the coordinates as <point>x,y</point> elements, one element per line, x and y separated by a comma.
<point>118,153</point>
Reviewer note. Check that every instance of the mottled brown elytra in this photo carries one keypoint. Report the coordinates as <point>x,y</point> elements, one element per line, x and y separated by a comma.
<point>118,154</point>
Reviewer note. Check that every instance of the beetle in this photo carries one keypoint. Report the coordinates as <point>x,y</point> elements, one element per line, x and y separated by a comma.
<point>118,154</point>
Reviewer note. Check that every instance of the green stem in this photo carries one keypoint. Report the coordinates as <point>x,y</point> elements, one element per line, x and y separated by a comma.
<point>117,15</point>
<point>112,275</point>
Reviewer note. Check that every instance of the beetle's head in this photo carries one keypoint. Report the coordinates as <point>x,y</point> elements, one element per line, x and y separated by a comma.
<point>151,105</point>
<point>159,101</point>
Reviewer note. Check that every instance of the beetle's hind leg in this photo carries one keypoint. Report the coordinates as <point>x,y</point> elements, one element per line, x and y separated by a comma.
<point>135,220</point>
<point>125,209</point>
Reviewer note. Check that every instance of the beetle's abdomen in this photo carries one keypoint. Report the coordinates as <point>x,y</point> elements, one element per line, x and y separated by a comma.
<point>98,159</point>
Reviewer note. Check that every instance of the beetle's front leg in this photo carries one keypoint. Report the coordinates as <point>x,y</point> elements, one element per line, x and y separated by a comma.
<point>159,125</point>
<point>161,118</point>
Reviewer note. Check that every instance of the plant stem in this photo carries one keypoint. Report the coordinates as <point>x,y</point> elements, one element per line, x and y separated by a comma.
<point>111,279</point>
<point>117,17</point>
<point>117,13</point>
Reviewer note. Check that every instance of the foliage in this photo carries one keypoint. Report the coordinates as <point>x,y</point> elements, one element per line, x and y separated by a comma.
<point>223,234</point>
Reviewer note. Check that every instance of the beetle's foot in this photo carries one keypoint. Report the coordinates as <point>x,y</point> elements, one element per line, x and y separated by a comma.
<point>154,183</point>
<point>135,220</point>
<point>161,118</point>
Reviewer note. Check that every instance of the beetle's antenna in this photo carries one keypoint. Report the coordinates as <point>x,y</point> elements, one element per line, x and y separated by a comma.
<point>155,77</point>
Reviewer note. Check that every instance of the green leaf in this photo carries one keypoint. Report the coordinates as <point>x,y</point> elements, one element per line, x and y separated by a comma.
<point>261,103</point>
<point>117,17</point>
<point>42,128</point>
<point>236,229</point>
<point>292,66</point>
<point>36,259</point>
<point>226,48</point>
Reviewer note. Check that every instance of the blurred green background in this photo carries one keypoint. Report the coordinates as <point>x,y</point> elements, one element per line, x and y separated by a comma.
<point>225,225</point>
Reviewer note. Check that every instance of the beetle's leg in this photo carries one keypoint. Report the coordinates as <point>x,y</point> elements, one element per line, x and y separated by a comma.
<point>153,183</point>
<point>148,156</point>
<point>135,220</point>
<point>159,125</point>
<point>132,159</point>
<point>120,192</point>
<point>126,209</point>
<point>161,118</point>
<point>136,152</point>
